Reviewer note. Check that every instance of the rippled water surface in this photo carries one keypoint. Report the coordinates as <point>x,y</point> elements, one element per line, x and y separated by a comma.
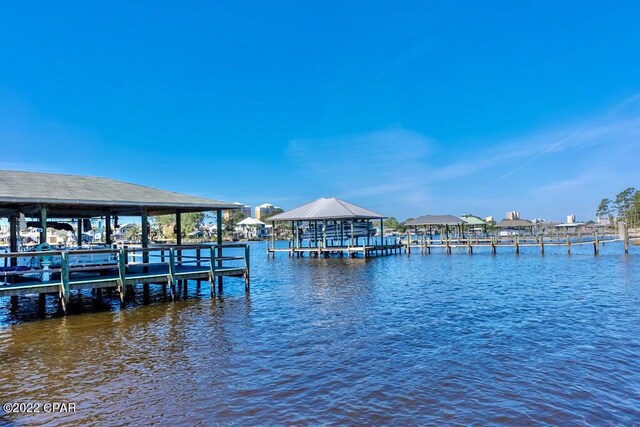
<point>434,339</point>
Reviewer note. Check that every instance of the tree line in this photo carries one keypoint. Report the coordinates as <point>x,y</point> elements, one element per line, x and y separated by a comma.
<point>625,207</point>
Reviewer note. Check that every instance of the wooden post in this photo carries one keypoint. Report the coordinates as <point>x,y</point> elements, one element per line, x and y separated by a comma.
<point>219,241</point>
<point>382,233</point>
<point>517,244</point>
<point>43,224</point>
<point>596,243</point>
<point>493,245</point>
<point>625,237</point>
<point>469,247</point>
<point>293,234</point>
<point>247,281</point>
<point>13,247</point>
<point>568,246</point>
<point>178,228</point>
<point>298,240</point>
<point>65,291</point>
<point>368,231</point>
<point>107,230</point>
<point>212,270</point>
<point>145,243</point>
<point>172,273</point>
<point>273,237</point>
<point>122,267</point>
<point>315,234</point>
<point>324,235</point>
<point>542,244</point>
<point>79,233</point>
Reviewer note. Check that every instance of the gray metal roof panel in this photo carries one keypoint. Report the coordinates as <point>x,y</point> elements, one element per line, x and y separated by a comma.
<point>508,223</point>
<point>326,208</point>
<point>32,187</point>
<point>436,220</point>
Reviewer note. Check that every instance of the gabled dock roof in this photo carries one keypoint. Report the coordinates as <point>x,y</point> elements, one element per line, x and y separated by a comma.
<point>436,220</point>
<point>326,208</point>
<point>515,223</point>
<point>75,196</point>
<point>472,220</point>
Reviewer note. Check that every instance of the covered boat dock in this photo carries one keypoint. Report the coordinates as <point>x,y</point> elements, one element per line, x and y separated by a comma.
<point>332,226</point>
<point>43,196</point>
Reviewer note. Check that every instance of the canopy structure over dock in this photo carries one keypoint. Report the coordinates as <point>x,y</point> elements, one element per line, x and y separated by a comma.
<point>516,224</point>
<point>439,221</point>
<point>331,225</point>
<point>43,196</point>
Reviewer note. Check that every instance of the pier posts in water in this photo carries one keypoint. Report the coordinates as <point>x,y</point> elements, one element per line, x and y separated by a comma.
<point>624,233</point>
<point>219,241</point>
<point>542,244</point>
<point>247,278</point>
<point>568,246</point>
<point>596,243</point>
<point>517,245</point>
<point>13,247</point>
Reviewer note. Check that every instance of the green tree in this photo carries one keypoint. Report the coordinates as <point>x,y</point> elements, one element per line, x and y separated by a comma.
<point>634,211</point>
<point>624,201</point>
<point>166,225</point>
<point>229,223</point>
<point>391,223</point>
<point>604,208</point>
<point>133,232</point>
<point>192,221</point>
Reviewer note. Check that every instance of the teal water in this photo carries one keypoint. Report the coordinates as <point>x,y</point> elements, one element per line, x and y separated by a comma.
<point>421,340</point>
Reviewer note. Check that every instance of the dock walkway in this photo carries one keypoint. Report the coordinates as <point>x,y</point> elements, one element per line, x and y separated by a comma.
<point>163,265</point>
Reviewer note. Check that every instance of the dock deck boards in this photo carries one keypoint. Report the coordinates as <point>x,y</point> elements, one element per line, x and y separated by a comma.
<point>151,274</point>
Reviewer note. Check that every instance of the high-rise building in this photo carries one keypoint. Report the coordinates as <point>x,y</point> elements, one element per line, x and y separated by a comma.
<point>264,210</point>
<point>244,209</point>
<point>513,215</point>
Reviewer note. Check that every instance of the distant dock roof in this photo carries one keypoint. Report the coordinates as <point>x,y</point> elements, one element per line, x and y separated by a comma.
<point>436,220</point>
<point>75,195</point>
<point>472,220</point>
<point>514,223</point>
<point>326,208</point>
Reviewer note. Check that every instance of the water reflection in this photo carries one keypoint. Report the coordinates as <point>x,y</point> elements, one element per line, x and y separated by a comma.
<point>396,340</point>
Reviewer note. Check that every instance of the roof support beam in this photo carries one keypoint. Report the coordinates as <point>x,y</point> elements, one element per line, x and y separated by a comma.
<point>43,224</point>
<point>107,229</point>
<point>145,234</point>
<point>178,228</point>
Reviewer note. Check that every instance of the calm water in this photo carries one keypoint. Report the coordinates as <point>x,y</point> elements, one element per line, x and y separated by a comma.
<point>467,340</point>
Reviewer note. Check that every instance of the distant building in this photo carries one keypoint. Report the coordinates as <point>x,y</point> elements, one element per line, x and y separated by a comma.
<point>244,209</point>
<point>250,228</point>
<point>571,219</point>
<point>265,210</point>
<point>603,221</point>
<point>489,219</point>
<point>513,215</point>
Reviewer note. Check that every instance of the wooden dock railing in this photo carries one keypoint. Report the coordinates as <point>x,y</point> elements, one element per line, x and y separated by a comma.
<point>63,271</point>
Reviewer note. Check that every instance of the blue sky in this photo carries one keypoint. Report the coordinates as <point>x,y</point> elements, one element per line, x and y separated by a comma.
<point>406,108</point>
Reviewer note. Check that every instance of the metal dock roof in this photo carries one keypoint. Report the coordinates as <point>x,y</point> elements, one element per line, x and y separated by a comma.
<point>326,208</point>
